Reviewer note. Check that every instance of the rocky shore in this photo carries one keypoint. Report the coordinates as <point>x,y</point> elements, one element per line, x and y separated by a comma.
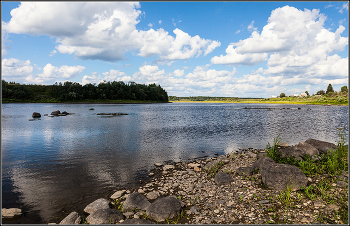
<point>237,188</point>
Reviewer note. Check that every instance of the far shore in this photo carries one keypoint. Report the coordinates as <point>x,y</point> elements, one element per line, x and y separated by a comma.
<point>259,102</point>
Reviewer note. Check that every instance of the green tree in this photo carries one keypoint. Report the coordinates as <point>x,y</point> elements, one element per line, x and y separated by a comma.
<point>321,92</point>
<point>329,89</point>
<point>307,93</point>
<point>282,95</point>
<point>344,89</point>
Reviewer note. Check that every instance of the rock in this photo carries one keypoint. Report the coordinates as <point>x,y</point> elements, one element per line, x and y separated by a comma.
<point>192,165</point>
<point>64,113</point>
<point>164,208</point>
<point>299,150</point>
<point>36,115</point>
<point>137,221</point>
<point>46,114</point>
<point>342,184</point>
<point>264,201</point>
<point>223,178</point>
<point>283,144</point>
<point>61,114</point>
<point>260,155</point>
<point>136,200</point>
<point>321,146</point>
<point>278,176</point>
<point>55,112</point>
<point>72,218</point>
<point>196,169</point>
<point>150,174</point>
<point>225,161</point>
<point>244,171</point>
<point>96,205</point>
<point>141,191</point>
<point>128,214</point>
<point>262,161</point>
<point>166,167</point>
<point>31,119</point>
<point>118,194</point>
<point>331,208</point>
<point>318,204</point>
<point>195,209</point>
<point>252,155</point>
<point>158,164</point>
<point>105,216</point>
<point>11,212</point>
<point>152,195</point>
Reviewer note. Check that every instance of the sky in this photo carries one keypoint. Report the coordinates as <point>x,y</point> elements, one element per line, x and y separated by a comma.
<point>219,49</point>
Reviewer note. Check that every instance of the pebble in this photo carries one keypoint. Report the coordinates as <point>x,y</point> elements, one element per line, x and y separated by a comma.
<point>158,164</point>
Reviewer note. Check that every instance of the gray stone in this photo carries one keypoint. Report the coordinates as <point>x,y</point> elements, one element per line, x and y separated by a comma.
<point>55,112</point>
<point>262,161</point>
<point>244,171</point>
<point>283,144</point>
<point>72,218</point>
<point>299,150</point>
<point>96,205</point>
<point>152,195</point>
<point>279,176</point>
<point>321,146</point>
<point>192,165</point>
<point>36,115</point>
<point>105,216</point>
<point>342,184</point>
<point>167,167</point>
<point>11,212</point>
<point>330,208</point>
<point>164,208</point>
<point>118,194</point>
<point>223,178</point>
<point>194,209</point>
<point>318,204</point>
<point>137,221</point>
<point>136,200</point>
<point>128,214</point>
<point>264,201</point>
<point>158,164</point>
<point>260,155</point>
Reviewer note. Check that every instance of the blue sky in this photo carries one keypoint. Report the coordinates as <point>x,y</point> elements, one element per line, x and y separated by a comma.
<point>240,49</point>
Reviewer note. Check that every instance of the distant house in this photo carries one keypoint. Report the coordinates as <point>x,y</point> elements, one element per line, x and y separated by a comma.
<point>295,95</point>
<point>273,96</point>
<point>303,94</point>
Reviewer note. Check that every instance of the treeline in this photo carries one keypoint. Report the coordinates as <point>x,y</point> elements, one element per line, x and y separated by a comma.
<point>75,92</point>
<point>207,98</point>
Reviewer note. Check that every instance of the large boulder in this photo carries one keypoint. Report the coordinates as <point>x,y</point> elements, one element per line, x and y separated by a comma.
<point>136,200</point>
<point>299,150</point>
<point>244,171</point>
<point>137,221</point>
<point>222,178</point>
<point>280,176</point>
<point>164,208</point>
<point>105,216</point>
<point>72,218</point>
<point>55,112</point>
<point>96,205</point>
<point>262,161</point>
<point>36,115</point>
<point>321,146</point>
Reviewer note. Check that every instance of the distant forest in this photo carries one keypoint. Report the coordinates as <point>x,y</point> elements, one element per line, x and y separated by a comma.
<point>75,92</point>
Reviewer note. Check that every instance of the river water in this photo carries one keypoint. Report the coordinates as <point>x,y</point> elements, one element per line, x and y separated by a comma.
<point>56,165</point>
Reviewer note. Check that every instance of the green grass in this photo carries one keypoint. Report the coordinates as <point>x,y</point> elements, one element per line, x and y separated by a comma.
<point>214,169</point>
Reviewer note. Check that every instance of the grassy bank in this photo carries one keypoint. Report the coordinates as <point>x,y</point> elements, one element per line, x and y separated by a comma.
<point>312,100</point>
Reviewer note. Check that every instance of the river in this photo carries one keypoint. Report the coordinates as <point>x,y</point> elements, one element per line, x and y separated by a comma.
<point>56,165</point>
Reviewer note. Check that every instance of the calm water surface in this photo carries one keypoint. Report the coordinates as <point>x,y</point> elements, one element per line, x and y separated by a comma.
<point>53,166</point>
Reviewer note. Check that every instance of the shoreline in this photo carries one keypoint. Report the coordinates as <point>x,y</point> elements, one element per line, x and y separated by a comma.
<point>244,201</point>
<point>258,102</point>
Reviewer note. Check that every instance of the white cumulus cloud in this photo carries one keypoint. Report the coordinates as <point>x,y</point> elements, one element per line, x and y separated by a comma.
<point>15,69</point>
<point>110,76</point>
<point>102,30</point>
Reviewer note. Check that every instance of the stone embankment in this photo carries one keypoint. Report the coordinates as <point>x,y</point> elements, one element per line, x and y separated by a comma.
<point>238,188</point>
